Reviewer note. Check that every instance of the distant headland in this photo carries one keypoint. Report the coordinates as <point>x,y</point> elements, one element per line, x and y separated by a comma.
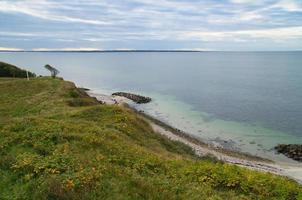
<point>100,51</point>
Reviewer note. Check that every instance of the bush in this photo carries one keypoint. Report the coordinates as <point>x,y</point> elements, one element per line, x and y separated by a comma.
<point>8,70</point>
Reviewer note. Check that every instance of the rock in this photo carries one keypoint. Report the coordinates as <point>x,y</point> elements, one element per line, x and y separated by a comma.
<point>134,97</point>
<point>293,151</point>
<point>85,89</point>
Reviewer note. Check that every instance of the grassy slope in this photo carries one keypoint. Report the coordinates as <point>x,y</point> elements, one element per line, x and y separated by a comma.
<point>57,143</point>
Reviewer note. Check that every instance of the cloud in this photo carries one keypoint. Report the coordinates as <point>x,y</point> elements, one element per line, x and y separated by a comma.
<point>17,34</point>
<point>288,5</point>
<point>249,16</point>
<point>276,34</point>
<point>244,17</point>
<point>67,49</point>
<point>10,49</point>
<point>196,49</point>
<point>128,23</point>
<point>42,10</point>
<point>247,1</point>
<point>123,49</point>
<point>99,39</point>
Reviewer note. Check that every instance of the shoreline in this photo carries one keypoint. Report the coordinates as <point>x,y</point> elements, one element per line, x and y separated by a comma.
<point>200,147</point>
<point>197,141</point>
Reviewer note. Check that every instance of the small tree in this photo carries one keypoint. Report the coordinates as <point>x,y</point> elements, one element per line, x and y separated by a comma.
<point>53,71</point>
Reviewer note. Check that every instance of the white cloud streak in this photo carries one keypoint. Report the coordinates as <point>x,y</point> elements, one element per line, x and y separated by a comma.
<point>41,9</point>
<point>10,49</point>
<point>288,5</point>
<point>276,34</point>
<point>68,49</point>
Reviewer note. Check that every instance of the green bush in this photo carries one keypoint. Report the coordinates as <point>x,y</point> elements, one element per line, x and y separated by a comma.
<point>8,70</point>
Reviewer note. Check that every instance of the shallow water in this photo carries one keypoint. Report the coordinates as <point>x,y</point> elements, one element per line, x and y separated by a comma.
<point>248,101</point>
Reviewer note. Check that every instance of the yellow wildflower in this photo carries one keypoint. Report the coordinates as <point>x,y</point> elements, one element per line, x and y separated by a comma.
<point>69,184</point>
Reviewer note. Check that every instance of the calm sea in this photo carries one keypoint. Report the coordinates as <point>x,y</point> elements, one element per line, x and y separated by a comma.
<point>249,101</point>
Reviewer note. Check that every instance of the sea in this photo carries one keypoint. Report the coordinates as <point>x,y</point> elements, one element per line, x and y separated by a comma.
<point>243,101</point>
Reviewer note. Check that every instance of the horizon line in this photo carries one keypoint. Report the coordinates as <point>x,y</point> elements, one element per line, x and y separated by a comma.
<point>143,50</point>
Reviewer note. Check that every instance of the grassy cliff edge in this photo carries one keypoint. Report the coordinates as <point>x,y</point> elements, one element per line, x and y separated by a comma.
<point>58,143</point>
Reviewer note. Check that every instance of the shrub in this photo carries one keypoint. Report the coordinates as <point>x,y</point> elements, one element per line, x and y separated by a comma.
<point>8,70</point>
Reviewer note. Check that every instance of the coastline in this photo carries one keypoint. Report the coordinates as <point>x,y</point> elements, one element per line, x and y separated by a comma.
<point>200,147</point>
<point>80,148</point>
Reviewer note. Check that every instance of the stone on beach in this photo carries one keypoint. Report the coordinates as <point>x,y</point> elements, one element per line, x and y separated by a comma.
<point>134,97</point>
<point>293,151</point>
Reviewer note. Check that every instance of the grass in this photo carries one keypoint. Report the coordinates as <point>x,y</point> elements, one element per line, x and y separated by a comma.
<point>58,143</point>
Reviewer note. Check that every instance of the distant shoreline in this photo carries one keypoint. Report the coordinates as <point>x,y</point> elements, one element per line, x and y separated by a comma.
<point>137,51</point>
<point>105,51</point>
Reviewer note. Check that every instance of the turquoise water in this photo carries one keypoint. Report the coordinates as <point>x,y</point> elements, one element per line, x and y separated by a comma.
<point>248,101</point>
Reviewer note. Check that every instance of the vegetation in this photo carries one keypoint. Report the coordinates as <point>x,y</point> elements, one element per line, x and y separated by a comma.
<point>8,70</point>
<point>58,143</point>
<point>53,71</point>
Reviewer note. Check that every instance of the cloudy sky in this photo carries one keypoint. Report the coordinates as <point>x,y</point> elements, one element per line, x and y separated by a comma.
<point>151,24</point>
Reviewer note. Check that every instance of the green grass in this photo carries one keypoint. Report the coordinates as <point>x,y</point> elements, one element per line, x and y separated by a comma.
<point>58,143</point>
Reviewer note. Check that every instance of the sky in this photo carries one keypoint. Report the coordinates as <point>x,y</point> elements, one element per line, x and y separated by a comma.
<point>217,25</point>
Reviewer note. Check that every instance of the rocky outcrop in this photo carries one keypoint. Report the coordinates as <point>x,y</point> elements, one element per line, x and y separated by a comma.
<point>293,151</point>
<point>134,97</point>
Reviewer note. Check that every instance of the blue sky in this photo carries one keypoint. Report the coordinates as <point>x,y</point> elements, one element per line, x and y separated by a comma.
<point>235,25</point>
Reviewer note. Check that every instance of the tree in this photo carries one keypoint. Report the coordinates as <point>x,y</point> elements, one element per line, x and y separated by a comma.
<point>8,70</point>
<point>53,71</point>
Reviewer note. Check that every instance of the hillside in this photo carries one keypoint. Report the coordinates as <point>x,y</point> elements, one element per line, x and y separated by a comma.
<point>8,70</point>
<point>58,143</point>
